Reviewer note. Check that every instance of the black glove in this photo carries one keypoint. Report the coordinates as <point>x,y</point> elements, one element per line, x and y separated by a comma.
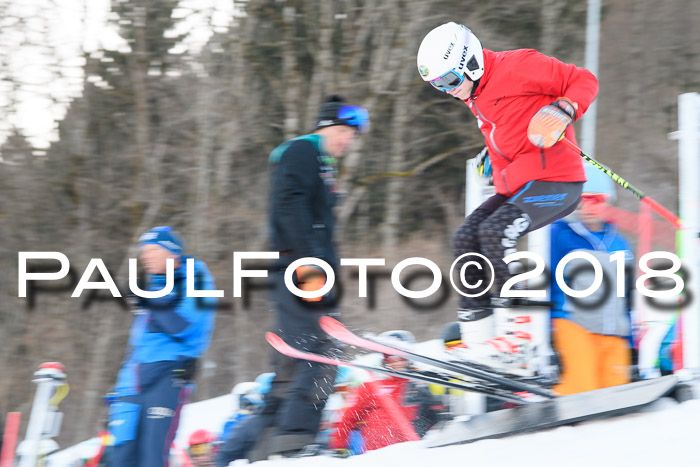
<point>134,301</point>
<point>187,369</point>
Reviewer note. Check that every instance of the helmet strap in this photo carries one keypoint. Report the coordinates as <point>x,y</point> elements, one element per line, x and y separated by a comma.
<point>476,84</point>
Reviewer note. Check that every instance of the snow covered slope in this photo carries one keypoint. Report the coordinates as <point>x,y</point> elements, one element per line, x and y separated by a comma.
<point>665,434</point>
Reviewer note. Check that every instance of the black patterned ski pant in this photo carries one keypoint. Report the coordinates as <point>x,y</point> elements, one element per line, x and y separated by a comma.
<point>494,228</point>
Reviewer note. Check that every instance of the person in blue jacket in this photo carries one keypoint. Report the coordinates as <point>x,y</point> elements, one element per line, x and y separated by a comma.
<point>167,337</point>
<point>591,335</point>
<point>242,430</point>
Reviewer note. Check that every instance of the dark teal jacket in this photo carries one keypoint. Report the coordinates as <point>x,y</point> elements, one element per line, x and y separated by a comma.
<point>302,197</point>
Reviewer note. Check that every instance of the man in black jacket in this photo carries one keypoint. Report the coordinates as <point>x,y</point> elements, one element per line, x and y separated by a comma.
<point>302,196</point>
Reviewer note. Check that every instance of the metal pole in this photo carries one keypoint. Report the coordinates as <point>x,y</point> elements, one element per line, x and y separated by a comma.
<point>588,121</point>
<point>689,194</point>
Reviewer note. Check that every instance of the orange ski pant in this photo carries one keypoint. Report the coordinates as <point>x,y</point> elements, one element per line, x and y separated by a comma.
<point>589,361</point>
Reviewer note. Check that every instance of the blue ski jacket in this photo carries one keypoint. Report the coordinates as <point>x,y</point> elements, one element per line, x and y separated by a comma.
<point>171,331</point>
<point>602,312</point>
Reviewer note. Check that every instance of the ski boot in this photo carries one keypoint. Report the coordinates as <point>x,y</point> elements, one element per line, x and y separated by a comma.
<point>483,346</point>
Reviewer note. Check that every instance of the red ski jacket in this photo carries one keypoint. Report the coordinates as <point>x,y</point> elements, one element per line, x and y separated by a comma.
<point>376,409</point>
<point>515,85</point>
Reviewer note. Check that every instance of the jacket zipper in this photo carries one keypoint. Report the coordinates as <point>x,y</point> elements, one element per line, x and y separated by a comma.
<point>493,130</point>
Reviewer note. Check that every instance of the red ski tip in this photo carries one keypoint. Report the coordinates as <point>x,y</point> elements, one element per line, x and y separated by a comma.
<point>330,322</point>
<point>273,339</point>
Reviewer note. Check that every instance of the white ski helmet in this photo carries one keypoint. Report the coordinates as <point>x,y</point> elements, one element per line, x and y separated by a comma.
<point>398,336</point>
<point>447,54</point>
<point>247,395</point>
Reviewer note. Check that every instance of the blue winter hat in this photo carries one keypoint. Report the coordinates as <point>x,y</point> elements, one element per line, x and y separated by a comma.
<point>164,237</point>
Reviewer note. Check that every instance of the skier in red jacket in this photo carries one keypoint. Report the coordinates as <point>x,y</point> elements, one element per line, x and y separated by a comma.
<point>537,181</point>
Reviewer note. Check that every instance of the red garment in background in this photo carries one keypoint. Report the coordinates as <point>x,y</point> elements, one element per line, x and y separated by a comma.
<point>374,409</point>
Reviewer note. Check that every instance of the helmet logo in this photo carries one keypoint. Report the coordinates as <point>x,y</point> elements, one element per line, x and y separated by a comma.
<point>472,64</point>
<point>464,56</point>
<point>449,50</point>
<point>423,70</point>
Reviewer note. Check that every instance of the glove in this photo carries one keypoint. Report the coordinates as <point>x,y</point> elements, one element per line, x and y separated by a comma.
<point>310,279</point>
<point>483,165</point>
<point>187,370</point>
<point>549,124</point>
<point>137,304</point>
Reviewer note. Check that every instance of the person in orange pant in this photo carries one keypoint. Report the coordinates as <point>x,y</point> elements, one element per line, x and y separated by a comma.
<point>591,335</point>
<point>590,361</point>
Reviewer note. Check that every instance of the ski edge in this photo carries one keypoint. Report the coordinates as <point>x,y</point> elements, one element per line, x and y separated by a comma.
<point>284,348</point>
<point>339,331</point>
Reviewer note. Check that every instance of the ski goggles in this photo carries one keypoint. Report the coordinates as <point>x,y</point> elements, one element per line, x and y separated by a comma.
<point>449,80</point>
<point>200,449</point>
<point>593,199</point>
<point>354,116</point>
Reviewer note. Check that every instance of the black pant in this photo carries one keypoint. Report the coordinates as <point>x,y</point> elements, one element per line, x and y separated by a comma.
<point>300,388</point>
<point>494,228</point>
<point>242,439</point>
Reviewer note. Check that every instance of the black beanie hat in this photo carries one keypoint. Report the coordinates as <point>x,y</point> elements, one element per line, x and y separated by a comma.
<point>328,113</point>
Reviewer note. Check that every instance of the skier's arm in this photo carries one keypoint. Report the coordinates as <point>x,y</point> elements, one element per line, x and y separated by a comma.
<point>178,315</point>
<point>549,76</point>
<point>165,319</point>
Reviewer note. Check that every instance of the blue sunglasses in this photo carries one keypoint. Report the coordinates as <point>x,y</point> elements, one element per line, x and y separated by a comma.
<point>355,116</point>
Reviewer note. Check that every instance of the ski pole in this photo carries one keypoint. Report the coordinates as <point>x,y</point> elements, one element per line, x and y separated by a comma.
<point>659,209</point>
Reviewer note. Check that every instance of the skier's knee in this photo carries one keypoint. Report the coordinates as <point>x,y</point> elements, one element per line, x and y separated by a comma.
<point>465,238</point>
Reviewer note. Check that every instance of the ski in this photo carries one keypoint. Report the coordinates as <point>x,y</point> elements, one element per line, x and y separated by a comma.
<point>447,381</point>
<point>565,410</point>
<point>337,330</point>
